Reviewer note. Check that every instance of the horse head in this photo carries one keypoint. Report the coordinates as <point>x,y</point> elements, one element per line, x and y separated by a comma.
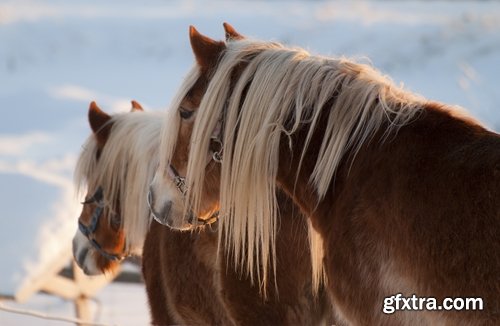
<point>99,243</point>
<point>167,195</point>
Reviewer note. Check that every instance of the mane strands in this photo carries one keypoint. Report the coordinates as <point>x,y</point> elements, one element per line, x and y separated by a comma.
<point>124,170</point>
<point>279,92</point>
<point>172,120</point>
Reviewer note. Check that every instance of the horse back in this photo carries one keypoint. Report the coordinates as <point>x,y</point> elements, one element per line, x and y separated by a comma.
<point>417,214</point>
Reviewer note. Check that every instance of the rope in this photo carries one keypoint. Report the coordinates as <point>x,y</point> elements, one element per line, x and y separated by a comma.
<point>48,317</point>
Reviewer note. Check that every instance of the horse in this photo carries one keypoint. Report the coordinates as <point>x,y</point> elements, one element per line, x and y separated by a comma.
<point>185,283</point>
<point>99,244</point>
<point>404,192</point>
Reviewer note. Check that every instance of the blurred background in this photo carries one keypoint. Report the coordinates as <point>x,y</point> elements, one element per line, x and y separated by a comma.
<point>56,56</point>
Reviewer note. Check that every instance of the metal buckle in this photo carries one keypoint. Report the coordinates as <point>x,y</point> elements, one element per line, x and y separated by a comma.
<point>217,156</point>
<point>180,183</point>
<point>88,231</point>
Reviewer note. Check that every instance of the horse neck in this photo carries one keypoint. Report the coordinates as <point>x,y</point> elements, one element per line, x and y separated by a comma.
<point>376,159</point>
<point>293,176</point>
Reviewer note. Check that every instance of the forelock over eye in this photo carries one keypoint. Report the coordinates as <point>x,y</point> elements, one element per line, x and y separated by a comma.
<point>98,196</point>
<point>185,114</point>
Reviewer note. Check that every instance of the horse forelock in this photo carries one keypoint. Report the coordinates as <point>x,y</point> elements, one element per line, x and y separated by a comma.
<point>124,170</point>
<point>281,91</point>
<point>172,119</point>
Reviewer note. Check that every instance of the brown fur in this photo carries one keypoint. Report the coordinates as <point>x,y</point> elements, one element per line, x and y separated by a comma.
<point>231,33</point>
<point>99,123</point>
<point>179,281</point>
<point>111,239</point>
<point>417,213</point>
<point>186,284</point>
<point>206,47</point>
<point>182,271</point>
<point>294,304</point>
<point>136,106</point>
<point>426,202</point>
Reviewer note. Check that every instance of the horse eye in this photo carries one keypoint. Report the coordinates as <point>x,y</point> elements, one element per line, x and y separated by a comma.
<point>185,114</point>
<point>88,201</point>
<point>98,196</point>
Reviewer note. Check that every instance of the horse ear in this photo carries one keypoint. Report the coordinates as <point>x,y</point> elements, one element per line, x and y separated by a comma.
<point>136,106</point>
<point>206,50</point>
<point>99,123</point>
<point>231,33</point>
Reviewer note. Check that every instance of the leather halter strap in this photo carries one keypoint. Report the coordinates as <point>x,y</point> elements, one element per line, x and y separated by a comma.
<point>89,230</point>
<point>180,184</point>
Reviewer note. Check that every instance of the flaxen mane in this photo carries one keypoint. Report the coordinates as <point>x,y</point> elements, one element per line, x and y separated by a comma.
<point>280,91</point>
<point>124,170</point>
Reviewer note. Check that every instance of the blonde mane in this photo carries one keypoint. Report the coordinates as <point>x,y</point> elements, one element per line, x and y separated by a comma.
<point>280,91</point>
<point>124,170</point>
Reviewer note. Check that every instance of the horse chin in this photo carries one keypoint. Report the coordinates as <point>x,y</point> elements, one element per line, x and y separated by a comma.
<point>179,225</point>
<point>103,265</point>
<point>187,227</point>
<point>167,212</point>
<point>84,255</point>
<point>91,268</point>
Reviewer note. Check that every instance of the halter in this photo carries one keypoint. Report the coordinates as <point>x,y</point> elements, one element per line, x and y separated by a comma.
<point>89,231</point>
<point>180,182</point>
<point>216,137</point>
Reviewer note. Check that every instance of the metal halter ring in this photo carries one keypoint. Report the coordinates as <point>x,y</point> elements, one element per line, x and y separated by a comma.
<point>217,155</point>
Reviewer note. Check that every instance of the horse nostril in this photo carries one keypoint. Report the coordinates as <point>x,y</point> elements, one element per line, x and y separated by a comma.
<point>169,222</point>
<point>74,247</point>
<point>150,198</point>
<point>165,212</point>
<point>162,217</point>
<point>80,257</point>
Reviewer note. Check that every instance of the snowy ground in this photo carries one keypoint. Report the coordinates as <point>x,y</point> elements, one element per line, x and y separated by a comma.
<point>117,304</point>
<point>56,56</point>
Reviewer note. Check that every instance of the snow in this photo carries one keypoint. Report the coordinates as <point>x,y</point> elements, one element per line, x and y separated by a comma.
<point>117,304</point>
<point>57,56</point>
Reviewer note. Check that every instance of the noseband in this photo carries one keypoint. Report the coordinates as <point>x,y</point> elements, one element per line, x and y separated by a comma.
<point>89,230</point>
<point>180,182</point>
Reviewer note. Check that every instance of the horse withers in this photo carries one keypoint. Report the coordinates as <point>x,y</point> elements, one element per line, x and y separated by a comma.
<point>403,191</point>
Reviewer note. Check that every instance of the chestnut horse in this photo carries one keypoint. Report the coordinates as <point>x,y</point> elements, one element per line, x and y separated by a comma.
<point>184,281</point>
<point>404,192</point>
<point>99,243</point>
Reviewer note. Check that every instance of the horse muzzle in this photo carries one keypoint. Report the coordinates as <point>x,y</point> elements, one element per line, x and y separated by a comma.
<point>82,253</point>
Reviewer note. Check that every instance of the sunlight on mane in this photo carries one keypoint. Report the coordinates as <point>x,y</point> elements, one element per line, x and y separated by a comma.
<point>172,120</point>
<point>280,91</point>
<point>124,170</point>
